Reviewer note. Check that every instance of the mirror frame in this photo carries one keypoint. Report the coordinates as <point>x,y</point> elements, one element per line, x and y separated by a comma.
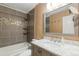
<point>47,14</point>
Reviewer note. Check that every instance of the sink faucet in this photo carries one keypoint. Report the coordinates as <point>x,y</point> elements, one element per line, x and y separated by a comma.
<point>57,40</point>
<point>62,38</point>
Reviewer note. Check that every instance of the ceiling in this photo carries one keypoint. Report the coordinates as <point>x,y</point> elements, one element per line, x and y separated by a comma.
<point>22,7</point>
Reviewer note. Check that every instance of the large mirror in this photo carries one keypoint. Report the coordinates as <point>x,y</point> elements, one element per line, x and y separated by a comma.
<point>60,20</point>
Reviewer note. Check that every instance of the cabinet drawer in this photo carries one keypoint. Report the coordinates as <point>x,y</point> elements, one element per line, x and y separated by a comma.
<point>36,51</point>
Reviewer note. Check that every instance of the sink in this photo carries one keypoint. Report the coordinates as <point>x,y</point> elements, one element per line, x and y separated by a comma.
<point>59,47</point>
<point>51,43</point>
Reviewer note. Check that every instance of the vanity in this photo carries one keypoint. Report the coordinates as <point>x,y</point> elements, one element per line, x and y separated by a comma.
<point>39,51</point>
<point>46,47</point>
<point>61,35</point>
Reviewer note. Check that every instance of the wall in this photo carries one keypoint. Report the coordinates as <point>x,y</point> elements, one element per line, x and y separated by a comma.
<point>38,20</point>
<point>76,19</point>
<point>11,26</point>
<point>30,25</point>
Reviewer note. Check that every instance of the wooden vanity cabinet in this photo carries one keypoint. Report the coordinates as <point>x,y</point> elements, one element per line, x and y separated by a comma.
<point>38,51</point>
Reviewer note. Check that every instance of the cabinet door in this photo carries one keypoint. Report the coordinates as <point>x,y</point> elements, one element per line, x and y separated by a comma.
<point>36,51</point>
<point>45,53</point>
<point>39,51</point>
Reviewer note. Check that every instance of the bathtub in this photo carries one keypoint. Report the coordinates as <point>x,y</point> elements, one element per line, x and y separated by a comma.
<point>20,49</point>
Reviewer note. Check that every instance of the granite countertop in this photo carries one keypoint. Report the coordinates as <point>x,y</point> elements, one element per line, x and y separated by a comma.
<point>61,49</point>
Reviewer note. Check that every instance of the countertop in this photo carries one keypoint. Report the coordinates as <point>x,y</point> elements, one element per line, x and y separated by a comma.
<point>61,49</point>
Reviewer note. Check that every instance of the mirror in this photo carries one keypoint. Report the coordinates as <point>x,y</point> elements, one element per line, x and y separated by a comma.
<point>61,20</point>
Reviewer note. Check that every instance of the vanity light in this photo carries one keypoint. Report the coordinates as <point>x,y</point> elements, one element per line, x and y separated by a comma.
<point>49,6</point>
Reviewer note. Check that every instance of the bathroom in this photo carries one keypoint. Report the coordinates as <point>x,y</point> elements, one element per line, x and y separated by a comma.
<point>39,29</point>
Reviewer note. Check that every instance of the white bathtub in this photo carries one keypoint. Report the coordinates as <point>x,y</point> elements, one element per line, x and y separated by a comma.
<point>20,49</point>
<point>25,53</point>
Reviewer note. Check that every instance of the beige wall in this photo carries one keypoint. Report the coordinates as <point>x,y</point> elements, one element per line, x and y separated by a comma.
<point>38,22</point>
<point>76,19</point>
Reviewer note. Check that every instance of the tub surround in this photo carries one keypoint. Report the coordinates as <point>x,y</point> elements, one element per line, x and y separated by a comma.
<point>61,48</point>
<point>30,25</point>
<point>12,23</point>
<point>12,12</point>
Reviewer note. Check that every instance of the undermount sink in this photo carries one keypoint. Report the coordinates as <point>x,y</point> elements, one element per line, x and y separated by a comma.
<point>50,43</point>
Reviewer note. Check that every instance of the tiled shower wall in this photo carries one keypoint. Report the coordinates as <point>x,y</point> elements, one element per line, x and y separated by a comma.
<point>30,26</point>
<point>11,29</point>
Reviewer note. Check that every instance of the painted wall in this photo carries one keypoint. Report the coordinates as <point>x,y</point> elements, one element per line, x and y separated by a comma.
<point>39,20</point>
